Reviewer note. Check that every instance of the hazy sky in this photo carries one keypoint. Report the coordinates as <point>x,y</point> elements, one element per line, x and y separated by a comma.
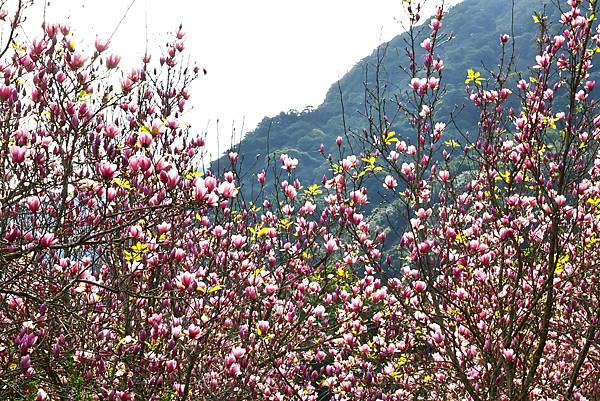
<point>262,56</point>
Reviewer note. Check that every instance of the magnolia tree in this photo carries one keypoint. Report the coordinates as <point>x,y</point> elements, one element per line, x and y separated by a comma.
<point>498,297</point>
<point>128,271</point>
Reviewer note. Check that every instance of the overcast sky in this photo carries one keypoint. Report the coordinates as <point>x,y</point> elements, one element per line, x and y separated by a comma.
<point>262,56</point>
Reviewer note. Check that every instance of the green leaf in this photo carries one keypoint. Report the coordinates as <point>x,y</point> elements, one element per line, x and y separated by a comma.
<point>193,174</point>
<point>594,202</point>
<point>504,176</point>
<point>122,183</point>
<point>214,288</point>
<point>369,160</point>
<point>561,262</point>
<point>139,247</point>
<point>388,138</point>
<point>473,76</point>
<point>263,231</point>
<point>313,190</point>
<point>452,144</point>
<point>538,18</point>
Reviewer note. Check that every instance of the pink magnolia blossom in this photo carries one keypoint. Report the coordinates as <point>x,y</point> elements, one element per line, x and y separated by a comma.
<point>390,182</point>
<point>331,245</point>
<point>101,45</point>
<point>112,61</point>
<point>107,170</point>
<point>419,286</point>
<point>227,189</point>
<point>41,395</point>
<point>288,162</point>
<point>76,61</point>
<point>238,241</point>
<point>262,327</point>
<point>47,240</point>
<point>33,203</point>
<point>18,153</point>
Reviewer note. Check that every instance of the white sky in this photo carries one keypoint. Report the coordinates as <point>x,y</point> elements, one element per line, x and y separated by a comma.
<point>262,56</point>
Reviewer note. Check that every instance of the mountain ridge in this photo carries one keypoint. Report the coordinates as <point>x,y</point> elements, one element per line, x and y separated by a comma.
<point>475,25</point>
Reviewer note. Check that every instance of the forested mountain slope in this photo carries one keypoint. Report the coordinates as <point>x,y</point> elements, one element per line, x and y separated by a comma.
<point>475,26</point>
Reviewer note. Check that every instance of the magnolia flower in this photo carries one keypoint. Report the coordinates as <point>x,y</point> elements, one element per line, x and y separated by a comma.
<point>419,286</point>
<point>33,203</point>
<point>308,208</point>
<point>261,177</point>
<point>251,292</point>
<point>319,311</point>
<point>145,139</point>
<point>393,156</point>
<point>509,354</point>
<point>438,65</point>
<point>219,231</point>
<point>288,162</point>
<point>290,192</point>
<point>542,61</point>
<point>76,61</point>
<point>126,84</point>
<point>171,365</point>
<point>234,370</point>
<point>193,331</point>
<point>172,122</point>
<point>390,182</point>
<point>41,395</point>
<point>172,177</point>
<point>358,197</point>
<point>238,241</point>
<point>271,289</point>
<point>407,168</point>
<point>437,337</point>
<point>262,327</point>
<point>581,96</point>
<point>229,176</point>
<point>433,83</point>
<point>17,153</point>
<point>178,254</point>
<point>112,61</point>
<point>111,130</point>
<point>559,41</point>
<point>210,183</point>
<point>419,84</point>
<point>101,45</point>
<point>331,245</point>
<point>590,85</point>
<point>47,240</point>
<point>107,170</point>
<point>427,44</point>
<point>227,190</point>
<point>238,352</point>
<point>349,162</point>
<point>8,93</point>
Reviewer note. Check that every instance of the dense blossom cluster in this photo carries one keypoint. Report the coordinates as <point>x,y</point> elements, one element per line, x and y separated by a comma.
<point>128,272</point>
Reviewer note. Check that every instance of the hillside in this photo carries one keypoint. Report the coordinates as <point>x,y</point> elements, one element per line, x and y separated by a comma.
<point>476,26</point>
